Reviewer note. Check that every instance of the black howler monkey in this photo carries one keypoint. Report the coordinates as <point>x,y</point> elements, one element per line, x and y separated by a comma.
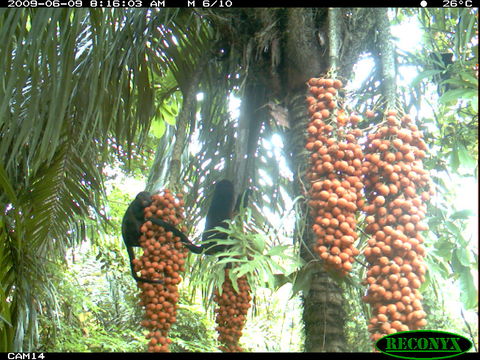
<point>134,219</point>
<point>221,209</point>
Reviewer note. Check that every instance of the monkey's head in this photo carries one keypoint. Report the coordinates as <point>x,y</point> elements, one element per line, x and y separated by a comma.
<point>224,187</point>
<point>144,199</point>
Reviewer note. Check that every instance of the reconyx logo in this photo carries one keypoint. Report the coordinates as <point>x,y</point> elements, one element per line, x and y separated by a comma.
<point>423,344</point>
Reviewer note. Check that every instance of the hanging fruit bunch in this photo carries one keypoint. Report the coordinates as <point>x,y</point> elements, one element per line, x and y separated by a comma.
<point>335,175</point>
<point>396,188</point>
<point>231,312</point>
<point>163,258</point>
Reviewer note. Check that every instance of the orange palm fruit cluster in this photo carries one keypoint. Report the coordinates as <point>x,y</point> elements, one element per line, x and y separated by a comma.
<point>163,258</point>
<point>396,189</point>
<point>231,312</point>
<point>335,175</point>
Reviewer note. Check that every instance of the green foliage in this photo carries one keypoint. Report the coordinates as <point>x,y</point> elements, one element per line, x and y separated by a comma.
<point>248,254</point>
<point>193,331</point>
<point>356,320</point>
<point>275,322</point>
<point>98,312</point>
<point>74,79</point>
<point>451,134</point>
<point>440,318</point>
<point>61,70</point>
<point>453,256</point>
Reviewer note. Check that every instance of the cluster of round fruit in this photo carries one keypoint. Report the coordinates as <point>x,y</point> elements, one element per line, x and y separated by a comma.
<point>396,187</point>
<point>163,258</point>
<point>231,312</point>
<point>335,175</point>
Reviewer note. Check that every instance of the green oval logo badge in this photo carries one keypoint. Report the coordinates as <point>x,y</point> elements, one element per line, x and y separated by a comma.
<point>423,344</point>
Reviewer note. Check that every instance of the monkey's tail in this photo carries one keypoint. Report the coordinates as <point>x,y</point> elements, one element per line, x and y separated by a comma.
<point>131,255</point>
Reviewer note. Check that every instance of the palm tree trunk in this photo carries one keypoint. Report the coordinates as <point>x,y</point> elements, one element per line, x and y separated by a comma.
<point>323,302</point>
<point>323,314</point>
<point>249,125</point>
<point>187,112</point>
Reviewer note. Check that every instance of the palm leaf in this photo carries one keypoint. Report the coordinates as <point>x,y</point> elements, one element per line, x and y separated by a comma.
<point>61,194</point>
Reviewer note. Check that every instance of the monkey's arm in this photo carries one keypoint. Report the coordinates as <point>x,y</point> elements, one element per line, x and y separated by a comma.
<point>169,227</point>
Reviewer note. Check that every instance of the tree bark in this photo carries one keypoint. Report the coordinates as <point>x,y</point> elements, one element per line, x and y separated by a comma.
<point>252,112</point>
<point>187,111</point>
<point>302,49</point>
<point>323,314</point>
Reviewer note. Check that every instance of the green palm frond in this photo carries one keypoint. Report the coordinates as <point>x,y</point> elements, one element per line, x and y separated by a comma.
<point>72,79</point>
<point>61,195</point>
<point>26,283</point>
<point>87,68</point>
